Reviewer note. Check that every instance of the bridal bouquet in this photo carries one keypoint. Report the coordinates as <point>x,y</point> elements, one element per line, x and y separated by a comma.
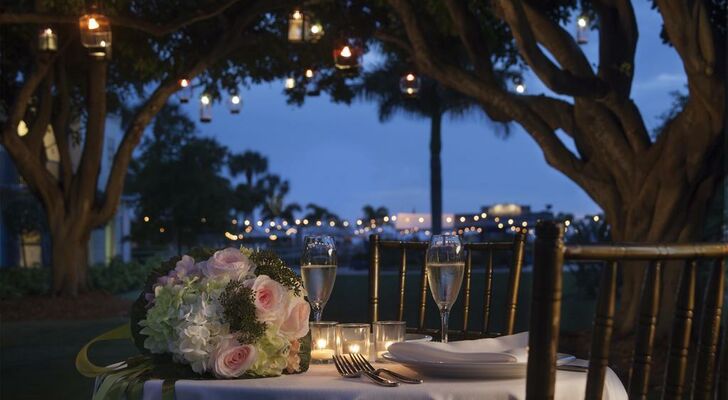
<point>231,313</point>
<point>234,313</point>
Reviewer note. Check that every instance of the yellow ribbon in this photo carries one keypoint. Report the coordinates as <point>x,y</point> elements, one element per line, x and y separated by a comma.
<point>90,370</point>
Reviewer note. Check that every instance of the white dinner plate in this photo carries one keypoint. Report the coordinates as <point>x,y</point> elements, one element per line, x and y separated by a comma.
<point>417,337</point>
<point>498,370</point>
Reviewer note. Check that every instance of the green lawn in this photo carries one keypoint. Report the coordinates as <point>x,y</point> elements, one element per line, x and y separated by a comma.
<point>37,357</point>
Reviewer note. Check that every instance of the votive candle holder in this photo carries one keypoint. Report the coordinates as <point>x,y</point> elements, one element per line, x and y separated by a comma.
<point>385,334</point>
<point>323,341</point>
<point>352,339</point>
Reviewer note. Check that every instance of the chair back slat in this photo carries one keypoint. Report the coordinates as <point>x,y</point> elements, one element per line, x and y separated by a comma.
<point>402,281</point>
<point>710,335</point>
<point>488,292</point>
<point>602,336</point>
<point>466,297</point>
<point>423,297</point>
<point>723,387</point>
<point>650,302</point>
<point>514,280</point>
<point>549,254</point>
<point>405,248</point>
<point>374,264</point>
<point>545,311</point>
<point>677,362</point>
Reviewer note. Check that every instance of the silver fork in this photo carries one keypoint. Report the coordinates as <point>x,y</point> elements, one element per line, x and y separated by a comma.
<point>364,364</point>
<point>347,370</point>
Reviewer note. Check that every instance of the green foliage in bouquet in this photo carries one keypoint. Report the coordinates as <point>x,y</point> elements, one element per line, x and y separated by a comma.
<point>238,302</point>
<point>268,263</point>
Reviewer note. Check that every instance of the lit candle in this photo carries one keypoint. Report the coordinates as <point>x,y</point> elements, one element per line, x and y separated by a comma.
<point>320,352</point>
<point>354,348</point>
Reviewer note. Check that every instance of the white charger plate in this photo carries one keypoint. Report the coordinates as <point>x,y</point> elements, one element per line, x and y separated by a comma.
<point>471,370</point>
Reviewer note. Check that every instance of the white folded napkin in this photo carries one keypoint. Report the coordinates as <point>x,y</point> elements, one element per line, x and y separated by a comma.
<point>506,349</point>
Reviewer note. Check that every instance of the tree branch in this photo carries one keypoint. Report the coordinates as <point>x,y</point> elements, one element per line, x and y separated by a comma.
<point>232,41</point>
<point>618,36</point>
<point>560,81</point>
<point>60,128</point>
<point>29,165</point>
<point>130,22</point>
<point>39,126</point>
<point>470,35</point>
<point>558,114</point>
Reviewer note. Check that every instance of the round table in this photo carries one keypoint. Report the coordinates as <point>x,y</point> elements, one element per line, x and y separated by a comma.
<point>323,382</point>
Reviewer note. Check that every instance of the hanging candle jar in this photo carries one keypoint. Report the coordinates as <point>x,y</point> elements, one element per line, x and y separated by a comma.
<point>290,83</point>
<point>410,85</point>
<point>205,108</point>
<point>96,34</point>
<point>185,90</point>
<point>302,27</point>
<point>347,55</point>
<point>235,104</point>
<point>312,88</point>
<point>47,40</point>
<point>582,29</point>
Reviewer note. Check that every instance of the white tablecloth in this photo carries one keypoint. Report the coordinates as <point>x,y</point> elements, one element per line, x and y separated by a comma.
<point>323,382</point>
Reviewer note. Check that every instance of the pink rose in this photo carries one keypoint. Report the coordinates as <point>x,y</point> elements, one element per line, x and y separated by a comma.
<point>229,262</point>
<point>294,359</point>
<point>296,323</point>
<point>231,359</point>
<point>271,299</point>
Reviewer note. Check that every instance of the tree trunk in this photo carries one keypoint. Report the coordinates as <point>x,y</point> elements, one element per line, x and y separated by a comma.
<point>70,261</point>
<point>436,172</point>
<point>683,228</point>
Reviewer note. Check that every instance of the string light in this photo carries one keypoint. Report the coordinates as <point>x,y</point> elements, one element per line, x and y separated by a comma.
<point>146,219</point>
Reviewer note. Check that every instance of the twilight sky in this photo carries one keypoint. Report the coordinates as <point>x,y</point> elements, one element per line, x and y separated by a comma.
<point>342,157</point>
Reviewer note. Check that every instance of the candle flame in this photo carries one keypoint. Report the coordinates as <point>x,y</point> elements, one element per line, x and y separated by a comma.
<point>321,343</point>
<point>346,52</point>
<point>297,15</point>
<point>410,77</point>
<point>93,24</point>
<point>354,348</point>
<point>184,83</point>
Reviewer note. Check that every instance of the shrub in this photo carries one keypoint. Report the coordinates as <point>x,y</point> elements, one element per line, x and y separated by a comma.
<point>116,277</point>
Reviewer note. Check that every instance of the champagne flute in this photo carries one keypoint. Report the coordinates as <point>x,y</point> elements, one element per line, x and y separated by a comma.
<point>445,265</point>
<point>318,269</point>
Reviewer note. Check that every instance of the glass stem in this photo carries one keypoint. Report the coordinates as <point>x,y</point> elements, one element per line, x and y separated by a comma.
<point>317,311</point>
<point>444,316</point>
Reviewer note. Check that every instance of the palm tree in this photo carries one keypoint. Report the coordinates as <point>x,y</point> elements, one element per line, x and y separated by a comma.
<point>433,102</point>
<point>252,165</point>
<point>318,213</point>
<point>274,192</point>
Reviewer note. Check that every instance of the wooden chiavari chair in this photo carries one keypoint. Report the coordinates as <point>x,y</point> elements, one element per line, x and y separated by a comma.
<point>549,255</point>
<point>516,247</point>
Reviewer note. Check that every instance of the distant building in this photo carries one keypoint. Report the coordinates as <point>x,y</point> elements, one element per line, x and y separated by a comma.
<point>499,218</point>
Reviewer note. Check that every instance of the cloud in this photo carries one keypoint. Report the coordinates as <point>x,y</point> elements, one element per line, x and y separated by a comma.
<point>662,81</point>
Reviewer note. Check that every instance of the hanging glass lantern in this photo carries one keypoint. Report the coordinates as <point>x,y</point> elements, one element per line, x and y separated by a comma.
<point>47,40</point>
<point>235,104</point>
<point>410,85</point>
<point>312,88</point>
<point>290,83</point>
<point>96,34</point>
<point>347,55</point>
<point>185,90</point>
<point>302,27</point>
<point>205,108</point>
<point>582,29</point>
<point>518,85</point>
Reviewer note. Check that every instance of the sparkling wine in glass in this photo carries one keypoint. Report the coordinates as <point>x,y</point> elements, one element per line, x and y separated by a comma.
<point>318,269</point>
<point>445,269</point>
